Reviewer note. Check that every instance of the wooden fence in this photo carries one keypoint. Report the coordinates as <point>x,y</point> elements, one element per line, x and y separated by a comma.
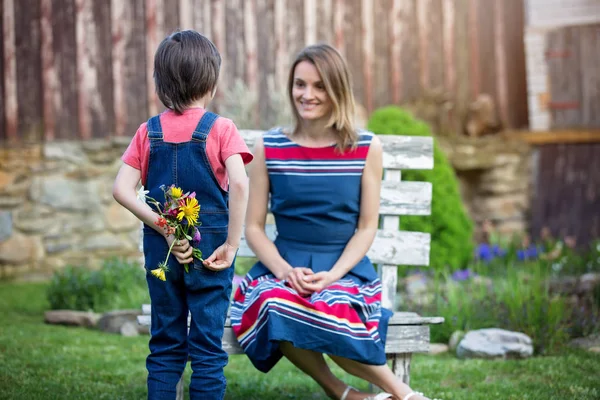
<point>80,69</point>
<point>567,189</point>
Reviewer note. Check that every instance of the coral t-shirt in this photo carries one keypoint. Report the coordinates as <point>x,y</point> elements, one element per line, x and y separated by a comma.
<point>223,142</point>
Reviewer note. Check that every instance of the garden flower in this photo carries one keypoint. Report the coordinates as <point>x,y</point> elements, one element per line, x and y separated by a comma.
<point>141,194</point>
<point>161,222</point>
<point>176,192</point>
<point>178,216</point>
<point>197,237</point>
<point>189,209</point>
<point>463,275</point>
<point>159,273</point>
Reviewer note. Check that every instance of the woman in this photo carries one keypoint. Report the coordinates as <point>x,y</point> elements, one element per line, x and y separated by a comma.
<point>314,291</point>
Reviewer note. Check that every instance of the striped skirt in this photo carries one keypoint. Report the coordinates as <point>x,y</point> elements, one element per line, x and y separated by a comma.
<point>345,319</point>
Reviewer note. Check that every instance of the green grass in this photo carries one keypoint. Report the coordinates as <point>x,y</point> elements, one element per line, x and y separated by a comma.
<point>39,361</point>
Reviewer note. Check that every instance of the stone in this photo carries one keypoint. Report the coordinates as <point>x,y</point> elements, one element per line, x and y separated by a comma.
<point>118,218</point>
<point>455,339</point>
<point>595,349</point>
<point>6,225</point>
<point>129,329</point>
<point>495,343</point>
<point>71,318</point>
<point>102,241</point>
<point>19,249</point>
<point>65,194</point>
<point>588,282</point>
<point>35,218</point>
<point>10,201</point>
<point>65,151</point>
<point>58,243</point>
<point>438,348</point>
<point>587,343</point>
<point>6,179</point>
<point>113,321</point>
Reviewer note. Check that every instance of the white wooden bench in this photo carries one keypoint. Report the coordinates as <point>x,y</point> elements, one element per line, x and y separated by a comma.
<point>408,332</point>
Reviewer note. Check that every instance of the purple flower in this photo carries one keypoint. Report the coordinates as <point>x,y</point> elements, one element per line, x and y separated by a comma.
<point>463,275</point>
<point>530,253</point>
<point>192,195</point>
<point>197,237</point>
<point>486,252</point>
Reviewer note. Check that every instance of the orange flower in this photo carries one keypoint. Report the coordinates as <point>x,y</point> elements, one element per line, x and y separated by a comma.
<point>161,222</point>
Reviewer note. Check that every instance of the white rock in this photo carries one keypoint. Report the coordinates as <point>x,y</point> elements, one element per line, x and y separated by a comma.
<point>495,343</point>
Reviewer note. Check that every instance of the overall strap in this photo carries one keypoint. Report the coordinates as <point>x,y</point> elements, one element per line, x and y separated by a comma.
<point>154,128</point>
<point>204,126</point>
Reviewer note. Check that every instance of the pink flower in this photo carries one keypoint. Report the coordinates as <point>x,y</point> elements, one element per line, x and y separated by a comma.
<point>192,195</point>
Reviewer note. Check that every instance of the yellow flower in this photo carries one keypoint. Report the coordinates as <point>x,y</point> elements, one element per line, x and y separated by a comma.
<point>159,273</point>
<point>189,209</point>
<point>176,192</point>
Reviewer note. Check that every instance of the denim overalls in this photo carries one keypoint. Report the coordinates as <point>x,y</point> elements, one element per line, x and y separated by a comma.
<point>203,292</point>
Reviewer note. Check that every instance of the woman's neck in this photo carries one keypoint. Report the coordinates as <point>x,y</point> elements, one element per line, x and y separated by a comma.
<point>315,130</point>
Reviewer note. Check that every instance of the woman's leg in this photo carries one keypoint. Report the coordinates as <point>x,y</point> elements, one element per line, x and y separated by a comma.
<point>314,365</point>
<point>380,375</point>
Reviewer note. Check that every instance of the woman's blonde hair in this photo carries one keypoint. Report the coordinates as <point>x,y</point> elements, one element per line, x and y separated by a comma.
<point>336,78</point>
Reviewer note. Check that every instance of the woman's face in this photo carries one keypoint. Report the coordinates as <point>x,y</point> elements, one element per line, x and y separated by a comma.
<point>309,94</point>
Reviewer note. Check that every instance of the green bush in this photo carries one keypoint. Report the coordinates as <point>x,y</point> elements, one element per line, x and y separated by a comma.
<point>518,300</point>
<point>449,224</point>
<point>119,284</point>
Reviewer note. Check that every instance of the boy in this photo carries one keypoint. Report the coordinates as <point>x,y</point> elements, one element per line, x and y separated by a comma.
<point>200,152</point>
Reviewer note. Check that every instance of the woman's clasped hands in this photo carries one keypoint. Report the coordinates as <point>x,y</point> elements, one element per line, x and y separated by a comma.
<point>306,282</point>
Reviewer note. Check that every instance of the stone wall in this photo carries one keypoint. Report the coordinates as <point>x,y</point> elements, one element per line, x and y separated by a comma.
<point>495,177</point>
<point>56,207</point>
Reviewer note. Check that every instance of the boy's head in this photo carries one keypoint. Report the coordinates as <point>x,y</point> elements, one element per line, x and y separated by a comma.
<point>186,68</point>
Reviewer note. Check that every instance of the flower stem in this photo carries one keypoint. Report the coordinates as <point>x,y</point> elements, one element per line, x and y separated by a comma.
<point>169,252</point>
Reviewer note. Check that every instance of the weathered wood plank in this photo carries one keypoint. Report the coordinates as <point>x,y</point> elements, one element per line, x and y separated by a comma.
<point>399,318</point>
<point>405,198</point>
<point>28,69</point>
<point>129,66</point>
<point>64,99</point>
<point>389,247</point>
<point>389,272</point>
<point>265,31</point>
<point>399,152</point>
<point>401,337</point>
<point>401,366</point>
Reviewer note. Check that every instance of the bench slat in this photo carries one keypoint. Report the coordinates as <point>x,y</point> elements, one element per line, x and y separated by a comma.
<point>399,318</point>
<point>405,198</point>
<point>389,247</point>
<point>399,152</point>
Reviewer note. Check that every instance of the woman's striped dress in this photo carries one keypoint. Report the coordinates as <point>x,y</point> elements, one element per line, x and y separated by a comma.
<point>315,199</point>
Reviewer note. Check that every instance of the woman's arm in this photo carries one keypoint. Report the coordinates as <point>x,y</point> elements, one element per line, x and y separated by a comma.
<point>256,216</point>
<point>368,221</point>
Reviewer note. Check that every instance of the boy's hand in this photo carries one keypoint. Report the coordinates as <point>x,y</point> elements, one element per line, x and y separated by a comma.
<point>221,258</point>
<point>181,249</point>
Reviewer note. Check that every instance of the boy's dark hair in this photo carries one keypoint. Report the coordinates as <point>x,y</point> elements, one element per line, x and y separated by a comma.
<point>186,67</point>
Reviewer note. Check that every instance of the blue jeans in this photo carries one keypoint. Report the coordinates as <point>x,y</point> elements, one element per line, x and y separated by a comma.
<point>206,295</point>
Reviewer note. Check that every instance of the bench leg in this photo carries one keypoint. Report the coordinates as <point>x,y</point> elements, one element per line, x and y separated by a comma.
<point>401,366</point>
<point>180,389</point>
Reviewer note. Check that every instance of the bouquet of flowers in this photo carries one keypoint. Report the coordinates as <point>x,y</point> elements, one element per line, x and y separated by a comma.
<point>179,217</point>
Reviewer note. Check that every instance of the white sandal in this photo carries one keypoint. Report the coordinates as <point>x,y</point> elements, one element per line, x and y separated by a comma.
<point>380,396</point>
<point>411,394</point>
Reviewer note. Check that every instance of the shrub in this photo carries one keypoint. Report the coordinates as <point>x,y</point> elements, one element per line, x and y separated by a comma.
<point>119,284</point>
<point>450,226</point>
<point>518,300</point>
